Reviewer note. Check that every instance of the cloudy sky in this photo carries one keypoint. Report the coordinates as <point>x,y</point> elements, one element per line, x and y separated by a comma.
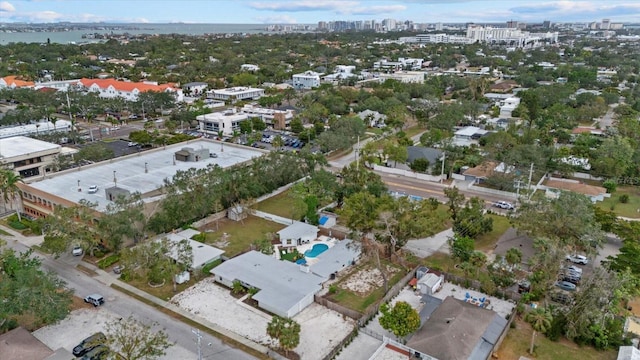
<point>312,11</point>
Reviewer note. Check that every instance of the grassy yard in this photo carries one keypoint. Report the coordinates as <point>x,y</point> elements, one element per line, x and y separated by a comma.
<point>413,131</point>
<point>517,343</point>
<point>488,241</point>
<point>630,209</point>
<point>240,234</point>
<point>281,205</point>
<point>360,302</point>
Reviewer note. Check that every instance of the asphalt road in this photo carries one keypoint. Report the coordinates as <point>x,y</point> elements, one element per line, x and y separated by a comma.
<point>125,306</point>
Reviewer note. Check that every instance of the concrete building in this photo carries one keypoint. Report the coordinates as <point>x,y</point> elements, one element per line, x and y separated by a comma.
<point>143,172</point>
<point>224,122</point>
<point>195,88</point>
<point>306,80</point>
<point>41,127</point>
<point>235,94</point>
<point>404,76</point>
<point>278,119</point>
<point>28,157</point>
<point>509,36</point>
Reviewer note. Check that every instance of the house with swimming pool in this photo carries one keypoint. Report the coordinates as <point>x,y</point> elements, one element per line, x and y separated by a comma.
<point>284,287</point>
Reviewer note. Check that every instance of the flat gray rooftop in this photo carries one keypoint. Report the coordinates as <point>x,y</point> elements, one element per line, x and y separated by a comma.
<point>130,171</point>
<point>22,145</point>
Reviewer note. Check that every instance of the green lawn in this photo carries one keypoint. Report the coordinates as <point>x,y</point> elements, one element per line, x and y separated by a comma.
<point>292,255</point>
<point>630,209</point>
<point>281,205</point>
<point>360,302</point>
<point>240,234</point>
<point>413,131</point>
<point>488,241</point>
<point>518,340</point>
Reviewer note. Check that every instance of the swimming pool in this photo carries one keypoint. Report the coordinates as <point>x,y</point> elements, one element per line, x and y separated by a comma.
<point>316,250</point>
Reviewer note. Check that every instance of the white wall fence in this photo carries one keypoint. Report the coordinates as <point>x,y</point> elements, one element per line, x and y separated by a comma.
<point>484,190</point>
<point>272,217</point>
<point>409,173</point>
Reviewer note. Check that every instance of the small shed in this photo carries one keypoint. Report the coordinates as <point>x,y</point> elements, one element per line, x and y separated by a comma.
<point>298,233</point>
<point>237,213</point>
<point>430,283</point>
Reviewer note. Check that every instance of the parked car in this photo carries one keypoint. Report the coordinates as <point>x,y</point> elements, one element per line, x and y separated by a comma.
<point>573,268</point>
<point>132,144</point>
<point>93,189</point>
<point>77,250</point>
<point>118,269</point>
<point>565,285</point>
<point>213,155</point>
<point>504,205</point>
<point>578,259</point>
<point>562,297</point>
<point>94,299</point>
<point>99,352</point>
<point>89,343</point>
<point>572,279</point>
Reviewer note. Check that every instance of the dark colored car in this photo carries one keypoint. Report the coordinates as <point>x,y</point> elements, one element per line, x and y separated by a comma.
<point>89,344</point>
<point>99,352</point>
<point>565,285</point>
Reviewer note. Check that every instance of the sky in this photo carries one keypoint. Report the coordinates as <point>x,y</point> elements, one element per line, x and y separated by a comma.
<point>312,11</point>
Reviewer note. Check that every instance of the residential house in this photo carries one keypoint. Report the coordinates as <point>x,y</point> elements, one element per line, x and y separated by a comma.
<point>195,88</point>
<point>201,254</point>
<point>468,135</point>
<point>513,239</point>
<point>298,233</point>
<point>508,105</point>
<point>335,259</point>
<point>224,122</point>
<point>249,67</point>
<point>481,172</point>
<point>284,288</point>
<point>503,87</point>
<point>306,80</point>
<point>458,330</point>
<point>13,82</point>
<point>372,118</point>
<point>109,88</point>
<point>236,94</point>
<point>341,72</point>
<point>554,186</point>
<point>432,155</point>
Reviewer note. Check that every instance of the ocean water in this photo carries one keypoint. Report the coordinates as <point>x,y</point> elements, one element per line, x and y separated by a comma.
<point>75,36</point>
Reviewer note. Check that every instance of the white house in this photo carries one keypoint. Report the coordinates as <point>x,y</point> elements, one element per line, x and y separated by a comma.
<point>341,72</point>
<point>226,122</point>
<point>404,76</point>
<point>201,254</point>
<point>249,67</point>
<point>195,88</point>
<point>298,233</point>
<point>236,93</point>
<point>109,88</point>
<point>508,105</point>
<point>306,80</point>
<point>372,118</point>
<point>283,288</point>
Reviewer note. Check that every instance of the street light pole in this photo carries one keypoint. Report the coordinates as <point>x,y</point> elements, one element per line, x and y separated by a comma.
<point>442,171</point>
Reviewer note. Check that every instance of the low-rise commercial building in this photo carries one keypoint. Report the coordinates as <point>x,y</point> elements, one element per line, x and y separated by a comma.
<point>225,122</point>
<point>28,157</point>
<point>235,94</point>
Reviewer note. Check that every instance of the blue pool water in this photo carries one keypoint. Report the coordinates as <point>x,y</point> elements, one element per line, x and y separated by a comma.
<point>301,261</point>
<point>316,250</point>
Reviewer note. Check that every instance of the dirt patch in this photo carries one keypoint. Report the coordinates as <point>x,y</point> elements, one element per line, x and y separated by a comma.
<point>367,279</point>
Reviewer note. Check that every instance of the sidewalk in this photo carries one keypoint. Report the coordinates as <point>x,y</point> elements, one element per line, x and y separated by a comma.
<point>110,279</point>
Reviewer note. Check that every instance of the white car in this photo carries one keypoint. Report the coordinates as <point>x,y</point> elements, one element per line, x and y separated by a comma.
<point>578,259</point>
<point>77,251</point>
<point>504,205</point>
<point>93,189</point>
<point>132,144</point>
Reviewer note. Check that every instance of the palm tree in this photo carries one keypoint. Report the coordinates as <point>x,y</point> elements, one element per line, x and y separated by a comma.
<point>540,319</point>
<point>9,188</point>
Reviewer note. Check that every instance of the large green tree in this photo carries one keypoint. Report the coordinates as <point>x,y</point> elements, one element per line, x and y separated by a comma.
<point>134,340</point>
<point>30,294</point>
<point>540,320</point>
<point>401,319</point>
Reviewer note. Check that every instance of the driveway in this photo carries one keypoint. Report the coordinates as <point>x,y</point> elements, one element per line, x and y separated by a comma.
<point>427,246</point>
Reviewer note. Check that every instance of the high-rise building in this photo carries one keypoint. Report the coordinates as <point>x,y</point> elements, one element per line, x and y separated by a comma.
<point>512,24</point>
<point>439,26</point>
<point>546,24</point>
<point>605,24</point>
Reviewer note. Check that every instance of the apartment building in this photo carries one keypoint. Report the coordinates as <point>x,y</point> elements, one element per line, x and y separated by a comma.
<point>306,80</point>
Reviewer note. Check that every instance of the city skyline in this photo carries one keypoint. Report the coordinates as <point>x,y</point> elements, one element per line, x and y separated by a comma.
<point>313,11</point>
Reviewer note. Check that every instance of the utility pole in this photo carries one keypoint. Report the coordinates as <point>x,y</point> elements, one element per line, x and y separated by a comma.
<point>529,184</point>
<point>444,155</point>
<point>196,332</point>
<point>357,151</point>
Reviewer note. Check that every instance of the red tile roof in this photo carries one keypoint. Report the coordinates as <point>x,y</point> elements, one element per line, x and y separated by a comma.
<point>125,85</point>
<point>13,80</point>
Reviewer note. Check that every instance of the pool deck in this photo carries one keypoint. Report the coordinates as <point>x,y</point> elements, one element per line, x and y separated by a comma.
<point>329,241</point>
